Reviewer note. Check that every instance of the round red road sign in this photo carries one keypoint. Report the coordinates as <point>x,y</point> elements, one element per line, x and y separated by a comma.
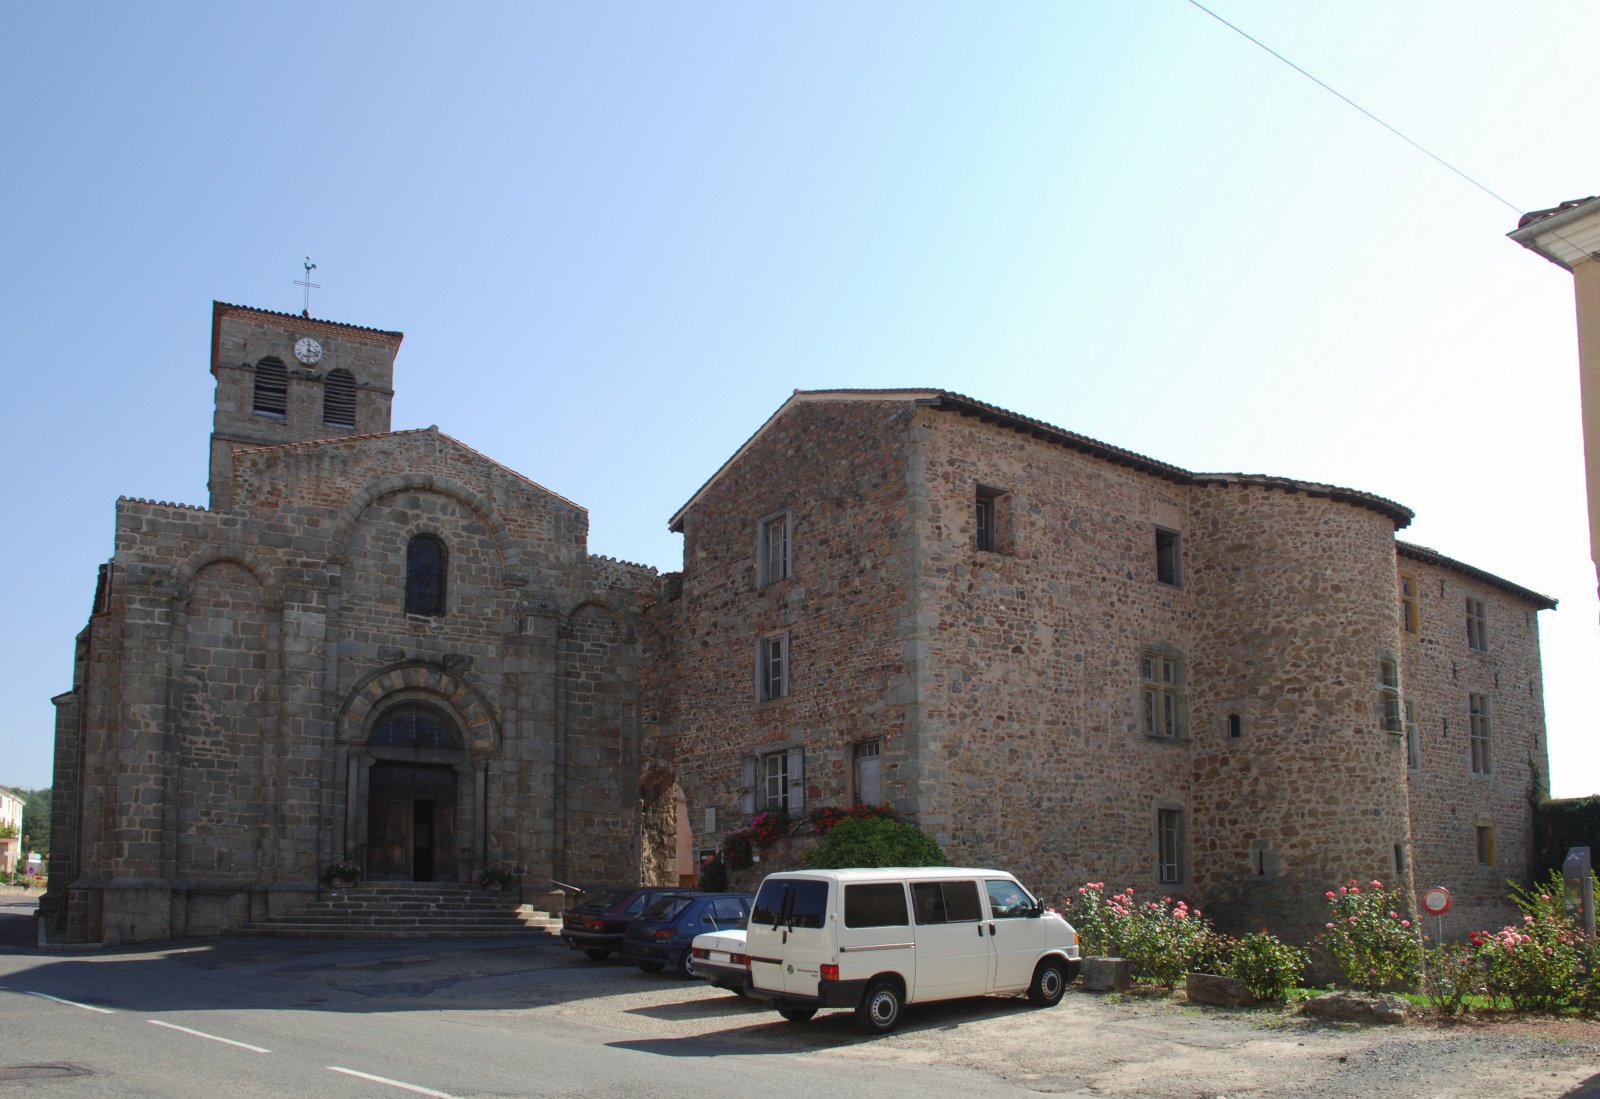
<point>1436,900</point>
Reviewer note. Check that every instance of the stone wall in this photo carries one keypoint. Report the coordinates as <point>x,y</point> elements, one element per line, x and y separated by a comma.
<point>1449,803</point>
<point>836,470</point>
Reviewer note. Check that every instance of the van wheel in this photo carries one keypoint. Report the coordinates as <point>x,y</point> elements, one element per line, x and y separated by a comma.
<point>1049,982</point>
<point>797,1014</point>
<point>879,1010</point>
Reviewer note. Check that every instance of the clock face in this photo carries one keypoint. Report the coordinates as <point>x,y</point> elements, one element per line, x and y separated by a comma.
<point>308,350</point>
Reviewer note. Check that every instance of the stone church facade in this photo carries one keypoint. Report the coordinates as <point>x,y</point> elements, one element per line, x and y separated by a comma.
<point>373,646</point>
<point>1055,655</point>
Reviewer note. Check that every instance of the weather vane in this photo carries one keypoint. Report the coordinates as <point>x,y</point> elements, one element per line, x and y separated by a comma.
<point>309,285</point>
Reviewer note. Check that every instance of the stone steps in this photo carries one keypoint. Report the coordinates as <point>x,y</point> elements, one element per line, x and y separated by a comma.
<point>411,910</point>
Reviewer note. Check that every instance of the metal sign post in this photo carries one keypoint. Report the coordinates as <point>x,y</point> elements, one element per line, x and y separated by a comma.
<point>1436,902</point>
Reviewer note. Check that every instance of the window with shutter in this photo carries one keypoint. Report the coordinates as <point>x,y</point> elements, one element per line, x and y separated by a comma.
<point>272,388</point>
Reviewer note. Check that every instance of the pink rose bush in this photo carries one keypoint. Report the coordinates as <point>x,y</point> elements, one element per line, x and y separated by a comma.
<point>1372,944</point>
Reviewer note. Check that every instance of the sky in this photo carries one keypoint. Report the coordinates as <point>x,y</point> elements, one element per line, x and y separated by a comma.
<point>618,236</point>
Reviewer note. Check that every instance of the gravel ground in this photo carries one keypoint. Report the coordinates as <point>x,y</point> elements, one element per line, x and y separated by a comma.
<point>1107,1046</point>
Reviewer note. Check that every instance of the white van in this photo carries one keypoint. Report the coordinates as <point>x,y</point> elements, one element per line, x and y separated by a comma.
<point>874,940</point>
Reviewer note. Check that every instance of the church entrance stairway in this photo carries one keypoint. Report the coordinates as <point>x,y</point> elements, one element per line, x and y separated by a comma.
<point>411,910</point>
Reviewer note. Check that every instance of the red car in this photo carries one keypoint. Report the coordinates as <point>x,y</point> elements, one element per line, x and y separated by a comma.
<point>596,926</point>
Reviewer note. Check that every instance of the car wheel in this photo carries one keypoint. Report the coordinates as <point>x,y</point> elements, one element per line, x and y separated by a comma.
<point>1049,982</point>
<point>597,954</point>
<point>879,1010</point>
<point>686,964</point>
<point>797,1014</point>
<point>650,967</point>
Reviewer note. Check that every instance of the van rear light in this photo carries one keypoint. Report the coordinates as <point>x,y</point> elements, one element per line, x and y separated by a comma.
<point>830,972</point>
<point>740,959</point>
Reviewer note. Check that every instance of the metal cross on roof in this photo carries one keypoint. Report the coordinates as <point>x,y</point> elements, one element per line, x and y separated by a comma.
<point>309,285</point>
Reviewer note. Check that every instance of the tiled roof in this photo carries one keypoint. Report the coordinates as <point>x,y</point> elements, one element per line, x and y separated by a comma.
<point>944,400</point>
<point>1434,557</point>
<point>1540,215</point>
<point>220,307</point>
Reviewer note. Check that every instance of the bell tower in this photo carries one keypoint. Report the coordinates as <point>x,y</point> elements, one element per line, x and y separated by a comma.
<point>283,378</point>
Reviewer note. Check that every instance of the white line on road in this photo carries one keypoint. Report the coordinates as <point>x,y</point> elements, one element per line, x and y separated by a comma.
<point>212,1037</point>
<point>391,1083</point>
<point>70,1003</point>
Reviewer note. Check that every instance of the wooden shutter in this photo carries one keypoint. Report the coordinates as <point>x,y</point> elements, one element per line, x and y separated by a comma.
<point>747,798</point>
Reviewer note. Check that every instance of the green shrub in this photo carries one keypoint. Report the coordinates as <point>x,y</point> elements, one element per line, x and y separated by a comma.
<point>1371,937</point>
<point>1268,966</point>
<point>1162,940</point>
<point>1450,974</point>
<point>1534,964</point>
<point>874,841</point>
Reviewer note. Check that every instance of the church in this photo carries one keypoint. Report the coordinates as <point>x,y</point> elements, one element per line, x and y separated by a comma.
<point>382,649</point>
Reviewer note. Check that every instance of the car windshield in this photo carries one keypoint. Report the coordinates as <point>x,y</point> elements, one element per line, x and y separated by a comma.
<point>666,908</point>
<point>604,900</point>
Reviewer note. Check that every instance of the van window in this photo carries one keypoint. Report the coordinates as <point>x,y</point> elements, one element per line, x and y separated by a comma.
<point>882,905</point>
<point>1007,899</point>
<point>791,902</point>
<point>946,902</point>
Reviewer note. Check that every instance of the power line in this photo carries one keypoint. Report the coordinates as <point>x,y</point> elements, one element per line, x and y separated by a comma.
<point>1334,91</point>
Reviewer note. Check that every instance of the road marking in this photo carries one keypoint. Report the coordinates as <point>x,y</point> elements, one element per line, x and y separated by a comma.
<point>391,1083</point>
<point>212,1037</point>
<point>70,1003</point>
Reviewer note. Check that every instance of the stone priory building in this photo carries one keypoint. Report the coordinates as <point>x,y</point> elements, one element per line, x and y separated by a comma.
<point>1057,656</point>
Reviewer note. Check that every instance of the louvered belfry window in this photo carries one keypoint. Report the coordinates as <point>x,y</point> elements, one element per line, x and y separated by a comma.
<point>272,388</point>
<point>425,573</point>
<point>339,399</point>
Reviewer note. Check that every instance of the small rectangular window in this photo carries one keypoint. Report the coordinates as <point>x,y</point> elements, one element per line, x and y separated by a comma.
<point>988,520</point>
<point>1410,616</point>
<point>1477,626</point>
<point>1389,694</point>
<point>775,780</point>
<point>772,667</point>
<point>1169,846</point>
<point>1485,845</point>
<point>1162,691</point>
<point>875,905</point>
<point>1479,734</point>
<point>869,788</point>
<point>1169,557</point>
<point>772,549</point>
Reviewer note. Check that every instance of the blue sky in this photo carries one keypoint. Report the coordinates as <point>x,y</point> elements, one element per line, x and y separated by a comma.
<point>617,236</point>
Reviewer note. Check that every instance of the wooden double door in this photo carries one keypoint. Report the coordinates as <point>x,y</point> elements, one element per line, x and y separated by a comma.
<point>411,822</point>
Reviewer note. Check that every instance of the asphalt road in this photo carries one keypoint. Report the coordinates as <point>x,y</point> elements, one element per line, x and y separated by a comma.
<point>258,1017</point>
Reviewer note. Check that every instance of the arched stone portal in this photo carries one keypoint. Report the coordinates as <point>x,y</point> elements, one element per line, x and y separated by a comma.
<point>416,768</point>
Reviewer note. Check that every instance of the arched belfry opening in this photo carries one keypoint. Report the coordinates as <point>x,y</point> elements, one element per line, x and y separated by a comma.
<point>414,792</point>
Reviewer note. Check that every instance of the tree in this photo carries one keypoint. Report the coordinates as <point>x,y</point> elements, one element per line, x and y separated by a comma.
<point>36,820</point>
<point>877,841</point>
